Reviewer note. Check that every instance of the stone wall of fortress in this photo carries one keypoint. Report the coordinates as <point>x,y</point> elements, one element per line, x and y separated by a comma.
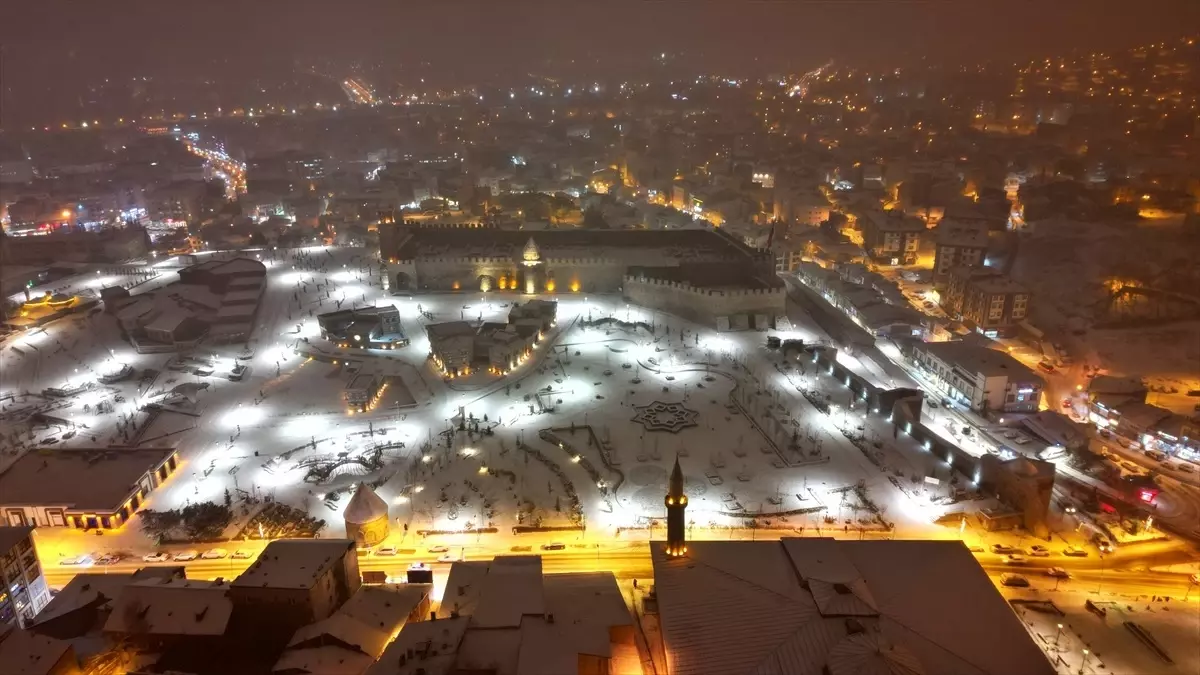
<point>704,305</point>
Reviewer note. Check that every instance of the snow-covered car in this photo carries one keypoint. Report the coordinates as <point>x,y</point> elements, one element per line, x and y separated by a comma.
<point>1014,580</point>
<point>1039,551</point>
<point>1001,548</point>
<point>161,556</point>
<point>1058,573</point>
<point>554,546</point>
<point>438,549</point>
<point>385,550</point>
<point>185,556</point>
<point>76,560</point>
<point>446,557</point>
<point>1075,552</point>
<point>1013,559</point>
<point>108,559</point>
<point>241,554</point>
<point>214,554</point>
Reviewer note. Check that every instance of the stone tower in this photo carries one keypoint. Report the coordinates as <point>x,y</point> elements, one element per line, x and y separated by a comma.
<point>366,517</point>
<point>676,507</point>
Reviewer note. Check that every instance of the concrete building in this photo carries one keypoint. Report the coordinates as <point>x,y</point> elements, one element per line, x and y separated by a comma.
<point>84,489</point>
<point>459,348</point>
<point>1024,485</point>
<point>819,605</point>
<point>350,640</point>
<point>366,517</point>
<point>890,237</point>
<point>958,244</point>
<point>23,592</point>
<point>365,328</point>
<point>298,581</point>
<point>986,300</point>
<point>505,616</point>
<point>987,380</point>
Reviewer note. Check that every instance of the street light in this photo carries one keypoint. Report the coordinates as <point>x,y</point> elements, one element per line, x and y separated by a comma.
<point>1084,663</point>
<point>1059,635</point>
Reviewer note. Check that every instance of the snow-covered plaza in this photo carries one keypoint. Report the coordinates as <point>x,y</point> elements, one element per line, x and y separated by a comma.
<point>584,432</point>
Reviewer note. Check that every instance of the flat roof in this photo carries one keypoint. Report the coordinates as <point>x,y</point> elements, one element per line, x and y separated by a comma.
<point>976,359</point>
<point>9,536</point>
<point>80,480</point>
<point>293,563</point>
<point>816,605</point>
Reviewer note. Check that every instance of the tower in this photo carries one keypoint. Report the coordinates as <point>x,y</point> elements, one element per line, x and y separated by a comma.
<point>676,506</point>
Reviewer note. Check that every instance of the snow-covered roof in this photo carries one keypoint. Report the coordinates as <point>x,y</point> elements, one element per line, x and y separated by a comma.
<point>365,506</point>
<point>167,322</point>
<point>426,647</point>
<point>846,607</point>
<point>84,480</point>
<point>171,607</point>
<point>24,652</point>
<point>294,563</point>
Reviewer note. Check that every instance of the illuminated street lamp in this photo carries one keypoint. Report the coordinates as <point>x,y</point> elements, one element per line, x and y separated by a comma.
<point>1084,663</point>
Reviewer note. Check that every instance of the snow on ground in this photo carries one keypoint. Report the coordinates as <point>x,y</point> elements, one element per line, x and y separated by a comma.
<point>283,431</point>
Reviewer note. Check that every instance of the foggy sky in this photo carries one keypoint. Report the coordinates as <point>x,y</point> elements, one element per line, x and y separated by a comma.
<point>68,42</point>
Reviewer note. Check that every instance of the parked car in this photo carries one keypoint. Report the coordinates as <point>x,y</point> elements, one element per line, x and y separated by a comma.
<point>76,560</point>
<point>214,554</point>
<point>446,557</point>
<point>555,546</point>
<point>161,556</point>
<point>1014,559</point>
<point>1187,467</point>
<point>1039,551</point>
<point>108,559</point>
<point>241,554</point>
<point>1014,580</point>
<point>385,550</point>
<point>1075,552</point>
<point>1058,573</point>
<point>1001,548</point>
<point>185,556</point>
<point>438,549</point>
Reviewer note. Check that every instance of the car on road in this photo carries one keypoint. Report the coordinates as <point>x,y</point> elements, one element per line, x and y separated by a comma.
<point>554,546</point>
<point>386,550</point>
<point>1195,578</point>
<point>1014,580</point>
<point>1058,573</point>
<point>1104,545</point>
<point>185,556</point>
<point>1045,366</point>
<point>161,556</point>
<point>1014,558</point>
<point>108,559</point>
<point>438,549</point>
<point>241,554</point>
<point>1039,551</point>
<point>76,560</point>
<point>446,557</point>
<point>975,549</point>
<point>214,554</point>
<point>1187,468</point>
<point>1001,548</point>
<point>1075,552</point>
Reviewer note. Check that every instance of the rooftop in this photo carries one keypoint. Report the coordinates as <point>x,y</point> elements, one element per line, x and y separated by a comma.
<point>294,563</point>
<point>24,652</point>
<point>83,480</point>
<point>955,234</point>
<point>892,221</point>
<point>171,607</point>
<point>976,359</point>
<point>9,536</point>
<point>837,607</point>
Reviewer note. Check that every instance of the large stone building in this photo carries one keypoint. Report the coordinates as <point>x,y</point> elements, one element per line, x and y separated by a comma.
<point>986,300</point>
<point>24,592</point>
<point>702,274</point>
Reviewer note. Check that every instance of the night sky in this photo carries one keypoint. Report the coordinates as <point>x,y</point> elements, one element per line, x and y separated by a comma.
<point>65,44</point>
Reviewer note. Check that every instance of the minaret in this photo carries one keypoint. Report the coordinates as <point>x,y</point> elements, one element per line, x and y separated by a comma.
<point>676,506</point>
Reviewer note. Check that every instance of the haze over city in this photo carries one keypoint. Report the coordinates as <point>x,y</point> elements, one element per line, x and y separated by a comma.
<point>662,338</point>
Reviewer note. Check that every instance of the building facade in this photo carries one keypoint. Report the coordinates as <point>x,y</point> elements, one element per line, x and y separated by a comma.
<point>958,245</point>
<point>891,237</point>
<point>987,300</point>
<point>987,380</point>
<point>24,591</point>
